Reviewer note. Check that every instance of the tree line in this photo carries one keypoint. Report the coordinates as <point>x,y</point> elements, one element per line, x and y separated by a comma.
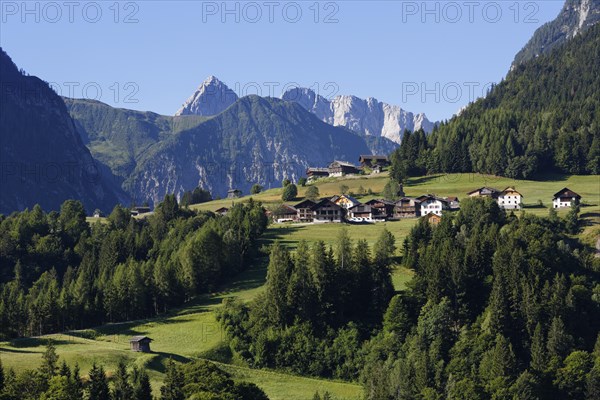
<point>57,272</point>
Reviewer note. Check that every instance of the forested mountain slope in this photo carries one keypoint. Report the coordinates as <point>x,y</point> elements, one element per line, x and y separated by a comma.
<point>544,116</point>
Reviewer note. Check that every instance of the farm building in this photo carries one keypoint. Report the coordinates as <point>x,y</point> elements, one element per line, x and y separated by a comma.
<point>382,209</point>
<point>565,198</point>
<point>140,210</point>
<point>484,192</point>
<point>313,174</point>
<point>140,343</point>
<point>373,161</point>
<point>509,199</point>
<point>285,213</point>
<point>305,212</point>
<point>327,211</point>
<point>407,207</point>
<point>341,168</point>
<point>360,213</point>
<point>433,219</point>
<point>234,193</point>
<point>345,201</point>
<point>222,211</point>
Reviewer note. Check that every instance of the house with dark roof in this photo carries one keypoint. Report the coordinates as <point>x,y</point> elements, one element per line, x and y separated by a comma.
<point>360,213</point>
<point>407,207</point>
<point>140,343</point>
<point>371,161</point>
<point>565,198</point>
<point>341,168</point>
<point>222,211</point>
<point>305,211</point>
<point>285,213</point>
<point>327,211</point>
<point>430,204</point>
<point>313,174</point>
<point>234,193</point>
<point>382,209</point>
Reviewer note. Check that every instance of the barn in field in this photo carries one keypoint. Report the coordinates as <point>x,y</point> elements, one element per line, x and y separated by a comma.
<point>140,343</point>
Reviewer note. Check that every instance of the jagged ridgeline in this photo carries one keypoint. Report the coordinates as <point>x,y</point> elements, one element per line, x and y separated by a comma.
<point>544,116</point>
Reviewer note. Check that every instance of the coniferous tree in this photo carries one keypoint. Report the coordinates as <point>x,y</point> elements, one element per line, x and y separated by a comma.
<point>122,390</point>
<point>278,275</point>
<point>77,383</point>
<point>1,376</point>
<point>172,388</point>
<point>49,366</point>
<point>592,388</point>
<point>538,350</point>
<point>98,385</point>
<point>141,385</point>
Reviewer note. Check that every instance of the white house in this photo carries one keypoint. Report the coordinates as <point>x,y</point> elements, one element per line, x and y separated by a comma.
<point>565,198</point>
<point>432,205</point>
<point>509,199</point>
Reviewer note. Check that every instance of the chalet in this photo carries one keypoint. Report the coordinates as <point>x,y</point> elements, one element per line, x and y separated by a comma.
<point>430,204</point>
<point>135,211</point>
<point>304,210</point>
<point>407,207</point>
<point>327,211</point>
<point>140,343</point>
<point>382,209</point>
<point>509,199</point>
<point>361,213</point>
<point>341,168</point>
<point>565,198</point>
<point>484,192</point>
<point>285,213</point>
<point>234,193</point>
<point>374,161</point>
<point>346,201</point>
<point>98,214</point>
<point>313,174</point>
<point>433,219</point>
<point>222,211</point>
<point>453,202</point>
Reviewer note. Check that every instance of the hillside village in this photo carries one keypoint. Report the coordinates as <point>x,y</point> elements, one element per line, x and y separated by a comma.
<point>346,208</point>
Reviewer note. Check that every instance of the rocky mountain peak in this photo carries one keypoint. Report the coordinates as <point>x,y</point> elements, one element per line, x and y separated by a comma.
<point>575,17</point>
<point>368,117</point>
<point>211,98</point>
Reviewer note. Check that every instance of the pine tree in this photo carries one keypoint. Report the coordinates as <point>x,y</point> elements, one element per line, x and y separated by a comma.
<point>64,370</point>
<point>49,366</point>
<point>122,390</point>
<point>559,342</point>
<point>77,383</point>
<point>538,350</point>
<point>98,384</point>
<point>141,385</point>
<point>278,276</point>
<point>172,388</point>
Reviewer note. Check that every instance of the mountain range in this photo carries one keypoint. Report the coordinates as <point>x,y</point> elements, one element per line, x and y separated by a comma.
<point>368,117</point>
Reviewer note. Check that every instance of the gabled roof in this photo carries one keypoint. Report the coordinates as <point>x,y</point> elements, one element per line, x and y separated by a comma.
<point>384,201</point>
<point>288,209</point>
<point>348,197</point>
<point>511,189</point>
<point>452,198</point>
<point>325,203</point>
<point>566,192</point>
<point>485,191</point>
<point>361,208</point>
<point>222,209</point>
<point>305,204</point>
<point>139,338</point>
<point>426,197</point>
<point>343,164</point>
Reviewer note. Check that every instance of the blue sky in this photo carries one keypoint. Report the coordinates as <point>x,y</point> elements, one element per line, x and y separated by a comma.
<point>431,57</point>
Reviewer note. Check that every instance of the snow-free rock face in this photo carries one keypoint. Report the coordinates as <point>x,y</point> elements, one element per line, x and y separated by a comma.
<point>576,16</point>
<point>211,98</point>
<point>368,117</point>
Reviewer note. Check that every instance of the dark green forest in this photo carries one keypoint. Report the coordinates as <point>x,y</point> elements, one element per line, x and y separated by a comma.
<point>57,272</point>
<point>501,307</point>
<point>545,116</point>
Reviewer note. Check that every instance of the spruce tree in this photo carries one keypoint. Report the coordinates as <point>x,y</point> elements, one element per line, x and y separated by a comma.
<point>172,388</point>
<point>141,385</point>
<point>98,385</point>
<point>1,376</point>
<point>122,390</point>
<point>64,370</point>
<point>278,276</point>
<point>538,350</point>
<point>49,366</point>
<point>77,383</point>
